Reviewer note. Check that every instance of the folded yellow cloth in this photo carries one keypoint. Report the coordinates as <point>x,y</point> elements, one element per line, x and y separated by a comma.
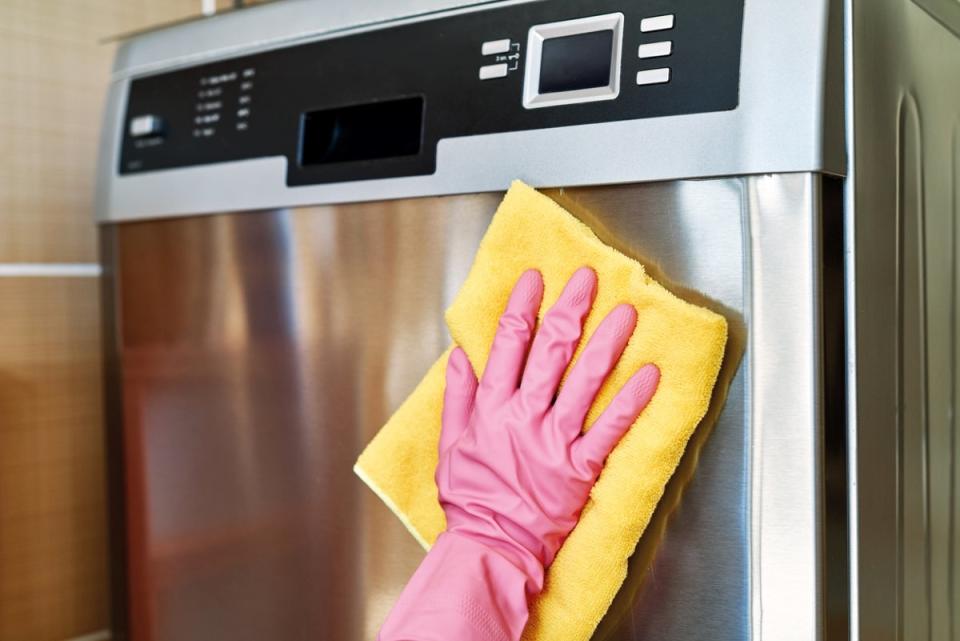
<point>687,342</point>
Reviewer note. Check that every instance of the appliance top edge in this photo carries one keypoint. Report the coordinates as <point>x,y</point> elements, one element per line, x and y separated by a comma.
<point>271,25</point>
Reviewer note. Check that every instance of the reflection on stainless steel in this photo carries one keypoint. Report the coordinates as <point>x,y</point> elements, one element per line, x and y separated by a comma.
<point>689,577</point>
<point>260,351</point>
<point>786,457</point>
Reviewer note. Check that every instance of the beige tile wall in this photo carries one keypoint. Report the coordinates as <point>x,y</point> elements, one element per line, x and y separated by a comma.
<point>53,77</point>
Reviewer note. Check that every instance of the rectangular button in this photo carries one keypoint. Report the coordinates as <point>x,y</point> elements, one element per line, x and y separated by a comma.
<point>655,49</point>
<point>493,71</point>
<point>653,76</point>
<point>144,126</point>
<point>657,23</point>
<point>495,46</point>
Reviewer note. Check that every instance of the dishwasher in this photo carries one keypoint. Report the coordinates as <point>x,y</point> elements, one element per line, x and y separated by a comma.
<point>290,195</point>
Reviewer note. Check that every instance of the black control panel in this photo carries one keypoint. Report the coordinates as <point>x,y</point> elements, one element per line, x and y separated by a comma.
<point>375,104</point>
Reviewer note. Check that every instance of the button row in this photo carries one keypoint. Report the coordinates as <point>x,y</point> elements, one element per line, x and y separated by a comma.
<point>655,49</point>
<point>499,48</point>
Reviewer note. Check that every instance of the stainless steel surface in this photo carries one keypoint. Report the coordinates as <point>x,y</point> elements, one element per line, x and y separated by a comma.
<point>946,11</point>
<point>260,351</point>
<point>785,463</point>
<point>789,119</point>
<point>904,208</point>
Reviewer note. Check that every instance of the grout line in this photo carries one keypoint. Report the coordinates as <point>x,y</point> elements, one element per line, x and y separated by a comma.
<point>50,269</point>
<point>100,635</point>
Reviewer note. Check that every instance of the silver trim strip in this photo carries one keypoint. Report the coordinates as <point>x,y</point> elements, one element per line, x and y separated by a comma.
<point>850,329</point>
<point>786,579</point>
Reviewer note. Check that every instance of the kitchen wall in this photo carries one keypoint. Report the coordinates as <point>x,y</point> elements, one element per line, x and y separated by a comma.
<point>53,545</point>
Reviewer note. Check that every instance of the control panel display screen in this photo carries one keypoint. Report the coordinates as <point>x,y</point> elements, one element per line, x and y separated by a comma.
<point>572,63</point>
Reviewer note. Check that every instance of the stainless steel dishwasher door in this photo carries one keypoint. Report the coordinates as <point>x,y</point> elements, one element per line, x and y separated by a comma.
<point>258,352</point>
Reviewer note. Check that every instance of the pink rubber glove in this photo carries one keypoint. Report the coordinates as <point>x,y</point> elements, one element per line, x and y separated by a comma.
<point>515,470</point>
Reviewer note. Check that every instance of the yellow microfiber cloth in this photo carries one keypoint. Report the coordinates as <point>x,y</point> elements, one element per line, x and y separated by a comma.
<point>687,342</point>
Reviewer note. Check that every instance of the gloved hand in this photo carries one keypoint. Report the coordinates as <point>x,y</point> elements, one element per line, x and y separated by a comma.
<point>514,469</point>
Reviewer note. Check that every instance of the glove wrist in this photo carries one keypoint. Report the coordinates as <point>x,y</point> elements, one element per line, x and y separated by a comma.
<point>517,555</point>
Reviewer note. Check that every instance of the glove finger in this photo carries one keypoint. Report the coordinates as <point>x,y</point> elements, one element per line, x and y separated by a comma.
<point>501,376</point>
<point>557,339</point>
<point>458,397</point>
<point>592,368</point>
<point>591,450</point>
